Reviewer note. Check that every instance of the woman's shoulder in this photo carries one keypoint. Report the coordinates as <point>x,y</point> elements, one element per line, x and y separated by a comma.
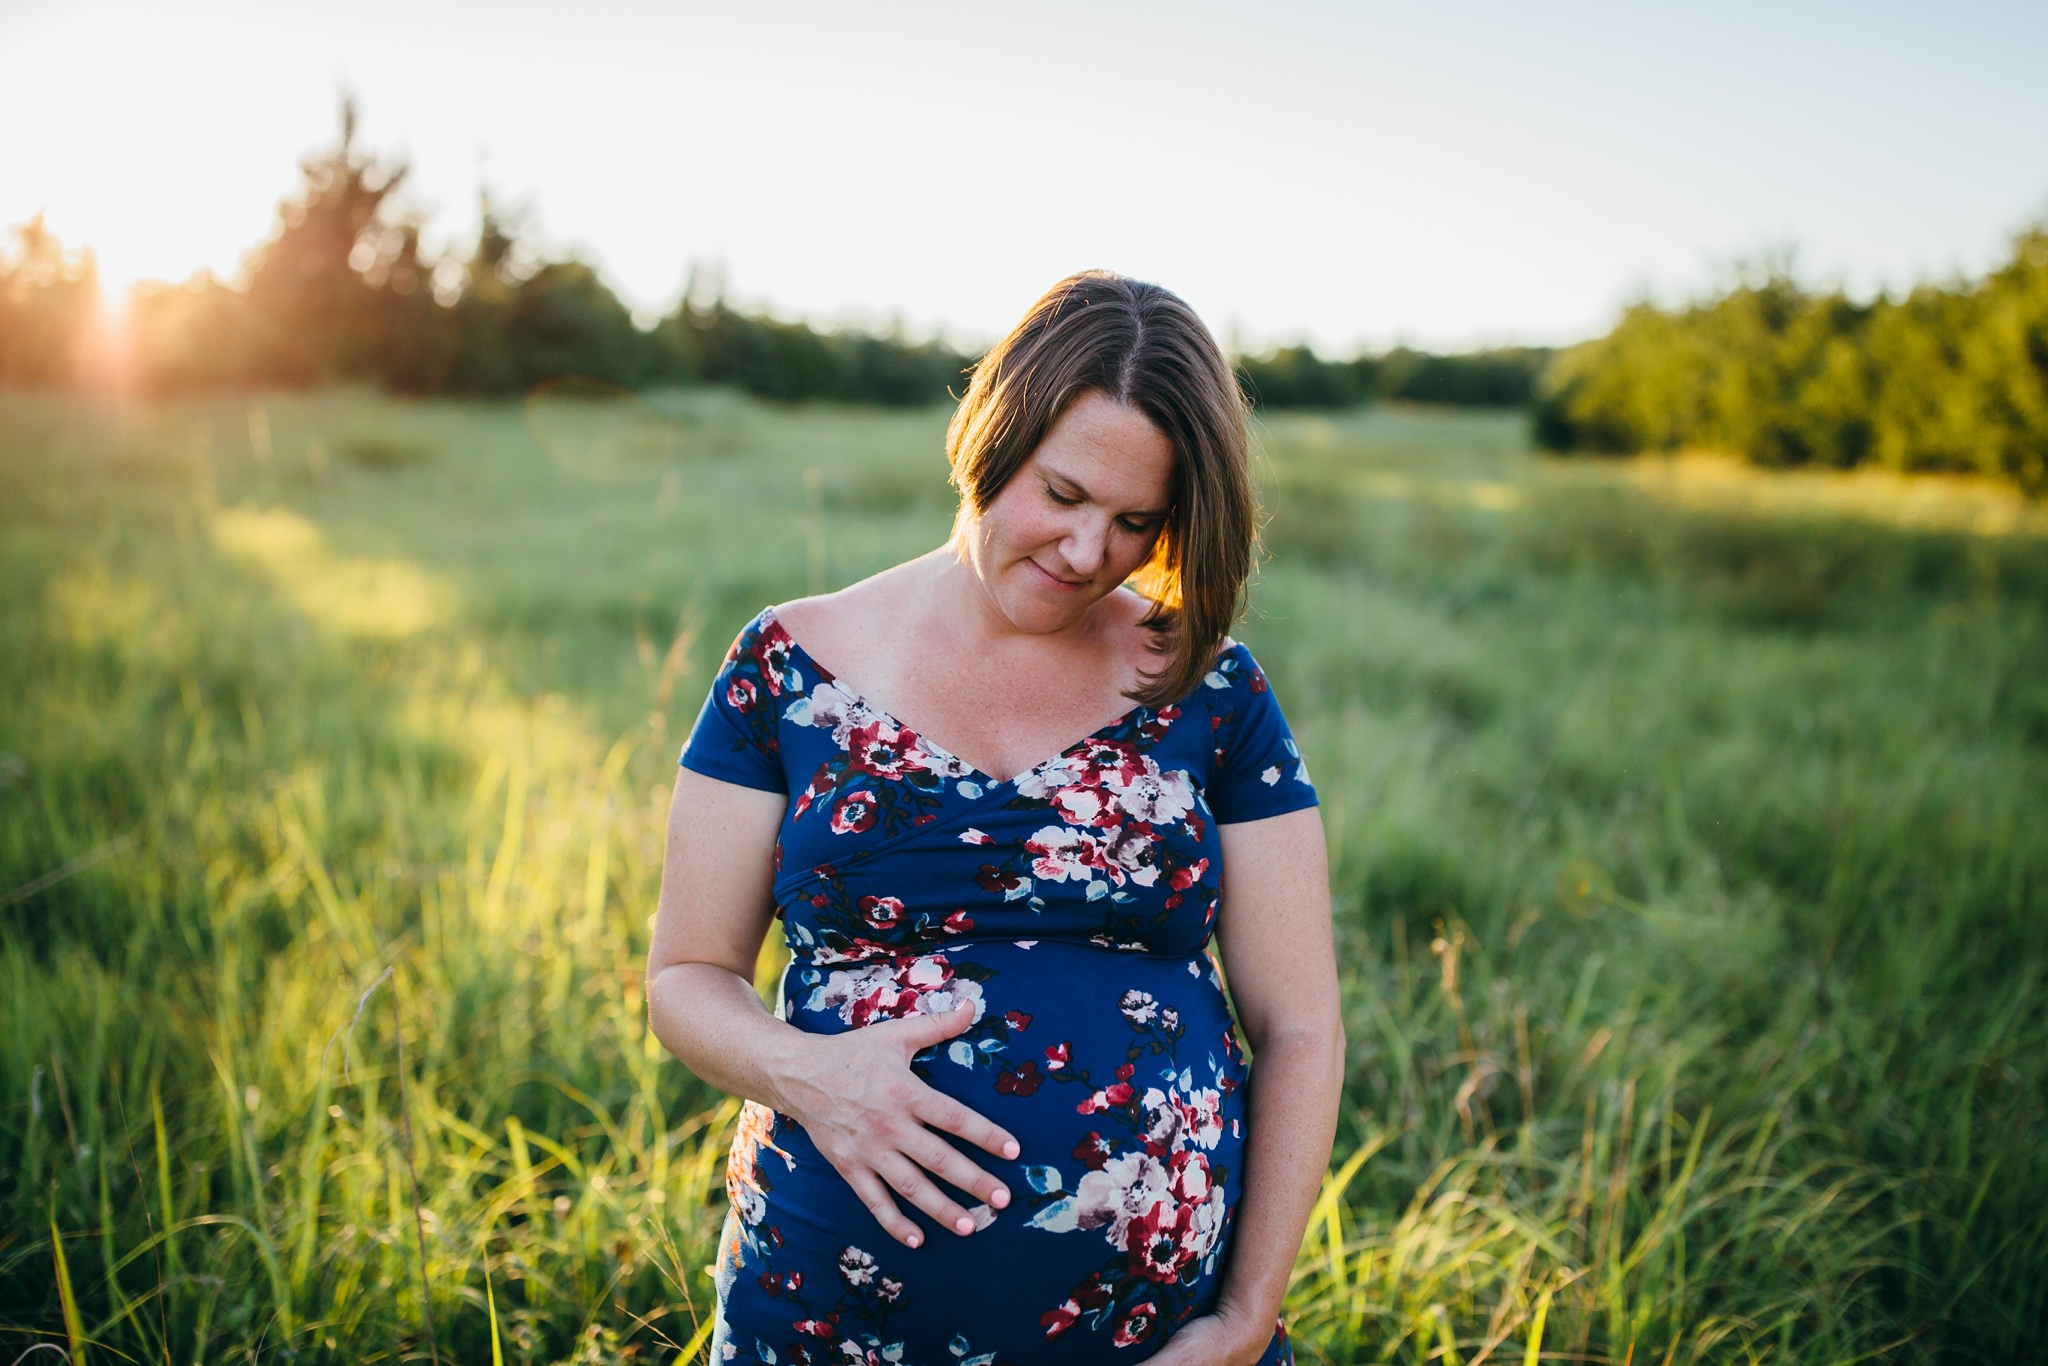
<point>1232,671</point>
<point>841,625</point>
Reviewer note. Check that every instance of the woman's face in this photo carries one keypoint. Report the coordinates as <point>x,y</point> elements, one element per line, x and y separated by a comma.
<point>1078,517</point>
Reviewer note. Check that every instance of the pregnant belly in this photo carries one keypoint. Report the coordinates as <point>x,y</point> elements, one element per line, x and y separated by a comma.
<point>1120,1077</point>
<point>1066,1037</point>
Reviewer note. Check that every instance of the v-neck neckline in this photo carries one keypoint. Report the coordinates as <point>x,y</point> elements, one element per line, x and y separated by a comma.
<point>924,738</point>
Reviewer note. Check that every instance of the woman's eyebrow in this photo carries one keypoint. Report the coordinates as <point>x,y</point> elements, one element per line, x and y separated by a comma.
<point>1078,487</point>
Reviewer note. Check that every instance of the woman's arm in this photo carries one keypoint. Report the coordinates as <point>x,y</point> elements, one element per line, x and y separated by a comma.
<point>854,1093</point>
<point>1274,936</point>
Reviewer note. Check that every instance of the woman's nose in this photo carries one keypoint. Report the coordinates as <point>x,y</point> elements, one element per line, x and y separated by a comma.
<point>1084,546</point>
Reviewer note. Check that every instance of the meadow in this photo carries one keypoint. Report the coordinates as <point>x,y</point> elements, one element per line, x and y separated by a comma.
<point>1685,821</point>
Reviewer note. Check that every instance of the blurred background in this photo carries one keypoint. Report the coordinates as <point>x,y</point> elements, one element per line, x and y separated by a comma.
<point>401,408</point>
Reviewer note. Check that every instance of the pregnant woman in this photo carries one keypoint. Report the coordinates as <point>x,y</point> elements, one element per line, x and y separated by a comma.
<point>1002,1114</point>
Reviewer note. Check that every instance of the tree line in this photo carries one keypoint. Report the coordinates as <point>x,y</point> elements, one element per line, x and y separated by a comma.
<point>343,292</point>
<point>1296,377</point>
<point>1949,377</point>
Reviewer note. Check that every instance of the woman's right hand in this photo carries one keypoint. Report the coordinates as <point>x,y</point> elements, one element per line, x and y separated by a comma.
<point>882,1127</point>
<point>874,1120</point>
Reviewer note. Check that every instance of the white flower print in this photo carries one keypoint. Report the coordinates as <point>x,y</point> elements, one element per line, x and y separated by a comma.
<point>1203,1114</point>
<point>1063,854</point>
<point>1122,1189</point>
<point>832,707</point>
<point>891,990</point>
<point>1080,805</point>
<point>1154,796</point>
<point>856,1267</point>
<point>1163,1120</point>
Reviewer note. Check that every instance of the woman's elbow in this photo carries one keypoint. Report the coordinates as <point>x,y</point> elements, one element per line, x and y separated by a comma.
<point>1317,1039</point>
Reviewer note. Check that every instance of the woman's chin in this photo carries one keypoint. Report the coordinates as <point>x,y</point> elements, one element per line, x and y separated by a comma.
<point>1041,614</point>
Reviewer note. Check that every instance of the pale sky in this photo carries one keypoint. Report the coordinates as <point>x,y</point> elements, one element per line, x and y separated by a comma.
<point>1351,174</point>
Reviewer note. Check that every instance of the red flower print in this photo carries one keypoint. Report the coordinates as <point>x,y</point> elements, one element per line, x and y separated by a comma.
<point>994,879</point>
<point>1017,1020</point>
<point>771,652</point>
<point>820,784</point>
<point>1153,1241</point>
<point>1059,1055</point>
<point>1137,1325</point>
<point>959,922</point>
<point>881,747</point>
<point>1059,1320</point>
<point>741,692</point>
<point>855,814</point>
<point>1092,1151</point>
<point>1104,760</point>
<point>1108,1098</point>
<point>1021,1082</point>
<point>882,912</point>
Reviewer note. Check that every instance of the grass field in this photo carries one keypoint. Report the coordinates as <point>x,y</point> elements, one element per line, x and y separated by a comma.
<point>1686,826</point>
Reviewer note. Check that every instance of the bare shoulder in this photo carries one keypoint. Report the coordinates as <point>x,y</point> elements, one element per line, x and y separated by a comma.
<point>838,625</point>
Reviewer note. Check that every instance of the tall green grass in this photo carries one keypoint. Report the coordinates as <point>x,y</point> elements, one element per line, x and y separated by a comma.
<point>1685,832</point>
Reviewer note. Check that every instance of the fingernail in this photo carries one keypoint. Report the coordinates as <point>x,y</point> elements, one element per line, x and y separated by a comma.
<point>1009,1150</point>
<point>964,1224</point>
<point>999,1197</point>
<point>914,1240</point>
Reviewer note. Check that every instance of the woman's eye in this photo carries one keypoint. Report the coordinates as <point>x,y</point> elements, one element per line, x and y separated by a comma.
<point>1135,528</point>
<point>1059,497</point>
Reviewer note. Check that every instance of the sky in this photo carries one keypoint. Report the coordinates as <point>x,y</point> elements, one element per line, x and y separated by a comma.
<point>1353,175</point>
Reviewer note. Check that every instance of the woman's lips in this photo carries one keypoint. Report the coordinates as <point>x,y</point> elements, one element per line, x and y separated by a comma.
<point>1054,579</point>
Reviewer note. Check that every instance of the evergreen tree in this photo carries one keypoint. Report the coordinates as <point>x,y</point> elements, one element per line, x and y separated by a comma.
<point>326,294</point>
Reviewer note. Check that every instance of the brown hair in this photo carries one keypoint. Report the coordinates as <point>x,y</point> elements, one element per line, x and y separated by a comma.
<point>1143,347</point>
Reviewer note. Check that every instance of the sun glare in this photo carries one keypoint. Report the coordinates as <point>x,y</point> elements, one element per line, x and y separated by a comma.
<point>115,288</point>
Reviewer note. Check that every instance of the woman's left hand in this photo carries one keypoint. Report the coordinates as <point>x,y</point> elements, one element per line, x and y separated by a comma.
<point>1218,1339</point>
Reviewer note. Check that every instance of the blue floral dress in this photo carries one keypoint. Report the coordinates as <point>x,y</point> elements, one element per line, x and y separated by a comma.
<point>1072,905</point>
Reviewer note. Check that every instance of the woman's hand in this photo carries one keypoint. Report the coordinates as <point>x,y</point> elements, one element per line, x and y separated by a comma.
<point>874,1120</point>
<point>883,1128</point>
<point>1221,1338</point>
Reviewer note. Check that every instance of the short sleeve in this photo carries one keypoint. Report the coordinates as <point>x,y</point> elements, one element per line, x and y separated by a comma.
<point>1258,771</point>
<point>734,739</point>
